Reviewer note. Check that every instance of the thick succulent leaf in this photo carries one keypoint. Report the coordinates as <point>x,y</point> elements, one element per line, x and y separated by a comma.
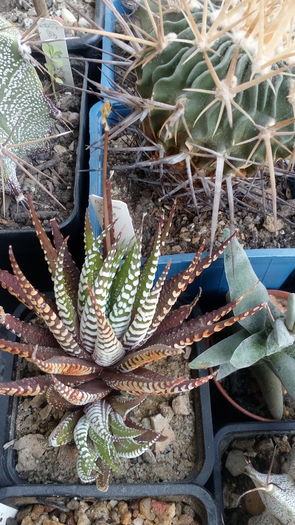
<point>122,405</point>
<point>72,272</point>
<point>127,448</point>
<point>98,417</point>
<point>201,327</point>
<point>82,469</point>
<point>134,384</point>
<point>279,338</point>
<point>225,370</point>
<point>87,393</point>
<point>145,356</point>
<point>49,251</point>
<point>105,450</point>
<point>89,238</point>
<point>144,315</point>
<point>29,332</point>
<point>283,365</point>
<point>271,388</point>
<point>87,454</point>
<point>66,308</point>
<point>241,278</point>
<point>178,283</point>
<point>123,291</point>
<point>148,273</point>
<point>103,476</point>
<point>92,263</point>
<point>55,400</point>
<point>249,351</point>
<point>29,386</point>
<point>174,318</point>
<point>290,315</point>
<point>221,352</point>
<point>120,430</point>
<point>108,349</point>
<point>65,365</point>
<point>46,312</point>
<point>64,432</point>
<point>10,282</point>
<point>30,352</point>
<point>88,325</point>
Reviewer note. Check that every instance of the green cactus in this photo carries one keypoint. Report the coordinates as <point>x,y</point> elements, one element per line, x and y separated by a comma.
<point>264,343</point>
<point>25,114</point>
<point>216,81</point>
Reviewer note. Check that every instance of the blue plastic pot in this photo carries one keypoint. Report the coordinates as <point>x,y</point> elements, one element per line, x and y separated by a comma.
<point>272,266</point>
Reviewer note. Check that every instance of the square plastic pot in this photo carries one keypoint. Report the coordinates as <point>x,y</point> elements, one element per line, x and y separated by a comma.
<point>24,241</point>
<point>205,507</point>
<point>204,456</point>
<point>243,431</point>
<point>272,266</point>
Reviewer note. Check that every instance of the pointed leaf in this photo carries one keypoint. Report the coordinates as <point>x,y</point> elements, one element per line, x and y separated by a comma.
<point>105,450</point>
<point>279,338</point>
<point>92,263</point>
<point>249,351</point>
<point>92,391</point>
<point>144,315</point>
<point>148,273</point>
<point>30,352</point>
<point>123,291</point>
<point>88,325</point>
<point>49,251</point>
<point>134,384</point>
<point>45,312</point>
<point>98,416</point>
<point>197,329</point>
<point>120,430</point>
<point>221,352</point>
<point>108,349</point>
<point>29,386</point>
<point>127,448</point>
<point>29,332</point>
<point>123,405</point>
<point>10,282</point>
<point>72,273</point>
<point>55,400</point>
<point>145,356</point>
<point>64,432</point>
<point>66,307</point>
<point>241,278</point>
<point>87,455</point>
<point>65,365</point>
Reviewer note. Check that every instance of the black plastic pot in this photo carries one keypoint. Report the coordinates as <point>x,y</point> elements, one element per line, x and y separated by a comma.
<point>24,241</point>
<point>240,431</point>
<point>8,409</point>
<point>205,507</point>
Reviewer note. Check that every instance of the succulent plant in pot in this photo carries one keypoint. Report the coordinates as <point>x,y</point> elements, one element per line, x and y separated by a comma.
<point>221,118</point>
<point>105,324</point>
<point>26,114</point>
<point>263,344</point>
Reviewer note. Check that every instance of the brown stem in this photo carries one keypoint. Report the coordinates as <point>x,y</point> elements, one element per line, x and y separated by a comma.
<point>41,8</point>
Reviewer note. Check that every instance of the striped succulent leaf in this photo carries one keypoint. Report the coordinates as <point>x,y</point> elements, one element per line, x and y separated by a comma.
<point>100,333</point>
